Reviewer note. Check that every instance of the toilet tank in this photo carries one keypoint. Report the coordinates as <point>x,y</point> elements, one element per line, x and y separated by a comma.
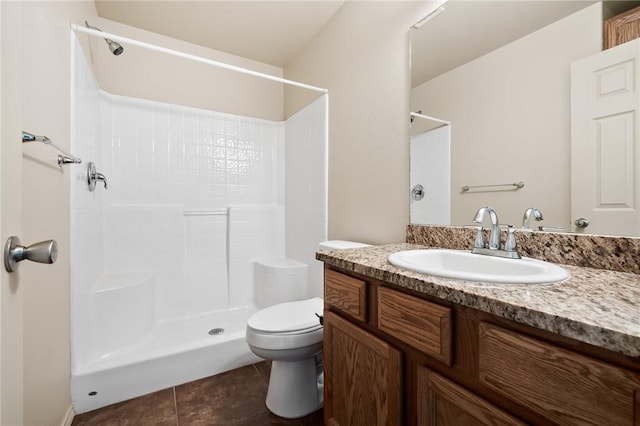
<point>279,280</point>
<point>340,244</point>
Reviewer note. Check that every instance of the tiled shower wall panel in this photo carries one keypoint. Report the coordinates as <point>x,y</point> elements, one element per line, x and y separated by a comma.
<point>168,154</point>
<point>173,172</point>
<point>306,188</point>
<point>86,236</point>
<point>205,287</point>
<point>254,232</point>
<point>86,211</point>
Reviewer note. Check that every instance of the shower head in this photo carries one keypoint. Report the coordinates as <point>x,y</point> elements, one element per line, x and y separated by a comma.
<point>115,47</point>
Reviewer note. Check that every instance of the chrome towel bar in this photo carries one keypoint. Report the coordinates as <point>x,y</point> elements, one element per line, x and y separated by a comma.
<point>66,158</point>
<point>516,185</point>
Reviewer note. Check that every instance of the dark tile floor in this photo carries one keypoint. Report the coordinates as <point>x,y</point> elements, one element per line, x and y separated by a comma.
<point>232,398</point>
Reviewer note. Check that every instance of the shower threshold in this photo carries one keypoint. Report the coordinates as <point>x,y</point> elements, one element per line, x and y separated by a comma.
<point>175,352</point>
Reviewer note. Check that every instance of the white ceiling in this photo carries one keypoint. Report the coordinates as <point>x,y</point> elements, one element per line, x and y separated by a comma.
<point>271,32</point>
<point>466,30</point>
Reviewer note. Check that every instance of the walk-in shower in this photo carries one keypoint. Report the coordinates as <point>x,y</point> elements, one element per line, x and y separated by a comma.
<point>162,262</point>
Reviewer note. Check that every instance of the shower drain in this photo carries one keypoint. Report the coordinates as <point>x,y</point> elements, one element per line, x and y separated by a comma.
<point>216,331</point>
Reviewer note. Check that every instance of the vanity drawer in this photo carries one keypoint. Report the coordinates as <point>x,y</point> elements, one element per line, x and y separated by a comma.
<point>424,325</point>
<point>565,387</point>
<point>346,293</point>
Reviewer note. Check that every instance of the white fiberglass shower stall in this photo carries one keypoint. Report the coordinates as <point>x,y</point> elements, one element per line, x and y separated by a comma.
<point>162,255</point>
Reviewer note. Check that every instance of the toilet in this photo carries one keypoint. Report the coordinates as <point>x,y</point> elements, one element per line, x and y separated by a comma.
<point>289,333</point>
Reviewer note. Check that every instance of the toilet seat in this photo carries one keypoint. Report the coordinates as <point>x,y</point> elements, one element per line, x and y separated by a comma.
<point>286,326</point>
<point>292,317</point>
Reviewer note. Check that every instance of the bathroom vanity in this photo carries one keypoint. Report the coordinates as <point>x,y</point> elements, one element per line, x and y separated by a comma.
<point>406,348</point>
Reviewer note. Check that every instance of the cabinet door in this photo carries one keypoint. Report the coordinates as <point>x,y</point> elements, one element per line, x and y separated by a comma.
<point>444,403</point>
<point>362,376</point>
<point>565,387</point>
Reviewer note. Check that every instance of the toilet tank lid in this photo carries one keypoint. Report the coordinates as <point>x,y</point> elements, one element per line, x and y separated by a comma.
<point>341,244</point>
<point>286,317</point>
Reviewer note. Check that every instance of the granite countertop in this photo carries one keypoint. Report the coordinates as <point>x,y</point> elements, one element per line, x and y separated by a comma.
<point>595,306</point>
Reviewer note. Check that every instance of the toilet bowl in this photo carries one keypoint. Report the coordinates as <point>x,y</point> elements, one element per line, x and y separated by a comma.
<point>288,332</point>
<point>290,335</point>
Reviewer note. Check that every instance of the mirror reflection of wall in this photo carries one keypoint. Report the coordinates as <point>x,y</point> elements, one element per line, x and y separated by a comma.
<point>500,73</point>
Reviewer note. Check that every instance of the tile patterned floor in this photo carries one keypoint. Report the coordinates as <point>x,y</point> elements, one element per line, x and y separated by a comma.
<point>233,398</point>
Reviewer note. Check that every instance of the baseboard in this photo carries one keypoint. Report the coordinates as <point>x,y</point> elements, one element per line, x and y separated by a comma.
<point>68,417</point>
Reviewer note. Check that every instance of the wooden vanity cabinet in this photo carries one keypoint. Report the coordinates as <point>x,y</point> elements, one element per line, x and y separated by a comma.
<point>395,358</point>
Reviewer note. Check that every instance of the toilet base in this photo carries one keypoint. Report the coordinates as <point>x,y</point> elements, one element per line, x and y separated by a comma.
<point>293,388</point>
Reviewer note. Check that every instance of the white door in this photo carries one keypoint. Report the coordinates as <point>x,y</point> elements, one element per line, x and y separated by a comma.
<point>430,177</point>
<point>605,142</point>
<point>11,322</point>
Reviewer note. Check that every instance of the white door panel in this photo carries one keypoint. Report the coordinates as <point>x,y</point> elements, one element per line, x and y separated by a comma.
<point>11,294</point>
<point>605,141</point>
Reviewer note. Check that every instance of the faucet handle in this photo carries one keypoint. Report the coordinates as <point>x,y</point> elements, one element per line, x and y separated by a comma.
<point>93,176</point>
<point>479,242</point>
<point>511,243</point>
<point>100,178</point>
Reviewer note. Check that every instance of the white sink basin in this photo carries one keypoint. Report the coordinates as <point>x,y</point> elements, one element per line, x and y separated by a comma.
<point>464,265</point>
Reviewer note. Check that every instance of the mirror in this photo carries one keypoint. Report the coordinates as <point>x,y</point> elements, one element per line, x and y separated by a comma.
<point>491,109</point>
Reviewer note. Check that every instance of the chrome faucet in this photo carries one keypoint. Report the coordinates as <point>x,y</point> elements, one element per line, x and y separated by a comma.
<point>494,237</point>
<point>537,215</point>
<point>510,250</point>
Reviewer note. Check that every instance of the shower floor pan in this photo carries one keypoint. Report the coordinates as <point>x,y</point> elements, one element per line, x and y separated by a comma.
<point>175,352</point>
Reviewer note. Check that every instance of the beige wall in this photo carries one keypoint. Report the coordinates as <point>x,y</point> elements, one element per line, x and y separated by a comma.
<point>146,74</point>
<point>362,57</point>
<point>35,97</point>
<point>510,113</point>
